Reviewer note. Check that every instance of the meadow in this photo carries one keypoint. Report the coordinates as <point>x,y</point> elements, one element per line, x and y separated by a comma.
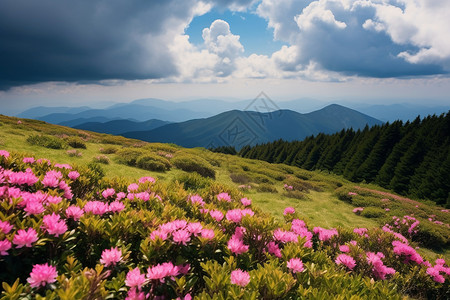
<point>143,220</point>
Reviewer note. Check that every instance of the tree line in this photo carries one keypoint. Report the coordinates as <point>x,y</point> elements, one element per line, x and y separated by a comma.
<point>411,158</point>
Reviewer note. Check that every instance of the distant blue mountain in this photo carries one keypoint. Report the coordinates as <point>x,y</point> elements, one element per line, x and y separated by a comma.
<point>118,127</point>
<point>240,128</point>
<point>40,111</point>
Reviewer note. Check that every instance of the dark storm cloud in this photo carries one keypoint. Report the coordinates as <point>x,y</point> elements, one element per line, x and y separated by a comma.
<point>87,40</point>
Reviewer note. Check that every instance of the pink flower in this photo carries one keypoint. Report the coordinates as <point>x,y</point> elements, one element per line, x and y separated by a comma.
<point>5,227</point>
<point>224,197</point>
<point>96,207</point>
<point>285,236</point>
<point>207,233</point>
<point>181,236</point>
<point>133,187</point>
<point>111,256</point>
<point>4,153</point>
<point>63,166</point>
<point>357,210</point>
<point>239,277</point>
<point>360,231</point>
<point>135,294</point>
<point>144,196</point>
<point>51,178</point>
<point>408,252</point>
<point>146,179</point>
<point>216,214</point>
<point>108,193</point>
<point>53,225</point>
<point>246,202</point>
<point>273,248</point>
<point>34,208</point>
<point>325,234</point>
<point>378,268</point>
<point>194,228</point>
<point>289,211</point>
<point>73,175</point>
<point>295,264</point>
<point>234,215</point>
<point>120,196</point>
<point>53,199</point>
<point>162,270</point>
<point>237,246</point>
<point>28,160</point>
<point>22,178</point>
<point>196,199</point>
<point>346,260</point>
<point>158,234</point>
<point>434,272</point>
<point>5,245</point>
<point>352,194</point>
<point>25,238</point>
<point>344,248</point>
<point>135,278</point>
<point>41,275</point>
<point>116,206</point>
<point>387,209</point>
<point>74,212</point>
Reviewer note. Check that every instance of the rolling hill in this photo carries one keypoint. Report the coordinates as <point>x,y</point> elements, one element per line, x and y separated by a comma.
<point>120,126</point>
<point>239,128</point>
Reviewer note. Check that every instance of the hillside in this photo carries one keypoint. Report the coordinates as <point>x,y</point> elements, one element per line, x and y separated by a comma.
<point>240,128</point>
<point>138,208</point>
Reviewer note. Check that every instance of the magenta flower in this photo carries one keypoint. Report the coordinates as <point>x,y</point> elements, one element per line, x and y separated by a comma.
<point>74,212</point>
<point>344,248</point>
<point>216,214</point>
<point>41,275</point>
<point>273,248</point>
<point>120,196</point>
<point>434,273</point>
<point>289,211</point>
<point>63,166</point>
<point>325,234</point>
<point>96,207</point>
<point>53,199</point>
<point>4,153</point>
<point>237,246</point>
<point>108,193</point>
<point>346,260</point>
<point>194,228</point>
<point>360,231</point>
<point>5,227</point>
<point>352,194</point>
<point>110,257</point>
<point>158,234</point>
<point>135,294</point>
<point>408,252</point>
<point>25,238</point>
<point>378,268</point>
<point>196,199</point>
<point>54,225</point>
<point>23,178</point>
<point>133,187</point>
<point>144,196</point>
<point>224,197</point>
<point>28,160</point>
<point>181,236</point>
<point>135,278</point>
<point>51,178</point>
<point>239,277</point>
<point>146,179</point>
<point>116,206</point>
<point>73,175</point>
<point>285,236</point>
<point>5,245</point>
<point>246,202</point>
<point>234,215</point>
<point>34,208</point>
<point>295,264</point>
<point>207,234</point>
<point>358,210</point>
<point>160,271</point>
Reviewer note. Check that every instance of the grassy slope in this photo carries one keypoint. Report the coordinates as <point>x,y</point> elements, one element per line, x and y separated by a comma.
<point>320,207</point>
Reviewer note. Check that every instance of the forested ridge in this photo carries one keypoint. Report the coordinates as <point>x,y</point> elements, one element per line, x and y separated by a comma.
<point>411,158</point>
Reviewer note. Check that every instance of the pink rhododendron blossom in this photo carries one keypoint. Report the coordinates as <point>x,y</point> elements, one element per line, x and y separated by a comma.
<point>160,271</point>
<point>63,166</point>
<point>357,210</point>
<point>96,207</point>
<point>216,214</point>
<point>23,178</point>
<point>346,260</point>
<point>116,206</point>
<point>5,245</point>
<point>237,246</point>
<point>4,153</point>
<point>361,231</point>
<point>196,199</point>
<point>120,196</point>
<point>144,196</point>
<point>181,236</point>
<point>41,275</point>
<point>273,248</point>
<point>224,197</point>
<point>108,193</point>
<point>378,268</point>
<point>146,179</point>
<point>51,179</point>
<point>239,277</point>
<point>53,199</point>
<point>135,294</point>
<point>295,264</point>
<point>28,160</point>
<point>325,234</point>
<point>5,227</point>
<point>344,248</point>
<point>25,237</point>
<point>408,252</point>
<point>73,175</point>
<point>158,234</point>
<point>74,212</point>
<point>135,278</point>
<point>285,236</point>
<point>133,187</point>
<point>246,202</point>
<point>434,273</point>
<point>352,194</point>
<point>296,223</point>
<point>194,228</point>
<point>354,243</point>
<point>111,256</point>
<point>207,233</point>
<point>289,211</point>
<point>234,215</point>
<point>247,212</point>
<point>53,225</point>
<point>34,208</point>
<point>66,188</point>
<point>130,196</point>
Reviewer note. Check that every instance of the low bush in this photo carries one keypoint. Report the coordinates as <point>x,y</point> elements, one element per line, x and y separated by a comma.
<point>197,164</point>
<point>266,188</point>
<point>129,156</point>
<point>193,181</point>
<point>240,178</point>
<point>295,194</point>
<point>373,212</point>
<point>74,153</point>
<point>153,162</point>
<point>102,159</point>
<point>46,141</point>
<point>108,150</point>
<point>76,142</point>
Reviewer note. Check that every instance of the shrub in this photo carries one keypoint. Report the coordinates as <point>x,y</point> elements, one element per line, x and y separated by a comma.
<point>102,159</point>
<point>432,236</point>
<point>266,188</point>
<point>108,150</point>
<point>194,164</point>
<point>74,153</point>
<point>76,142</point>
<point>295,194</point>
<point>372,212</point>
<point>239,178</point>
<point>129,156</point>
<point>153,162</point>
<point>46,141</point>
<point>193,181</point>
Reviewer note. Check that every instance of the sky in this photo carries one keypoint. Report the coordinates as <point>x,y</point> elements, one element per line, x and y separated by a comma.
<point>97,52</point>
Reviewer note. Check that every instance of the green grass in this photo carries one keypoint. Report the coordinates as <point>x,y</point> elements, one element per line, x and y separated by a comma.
<point>320,207</point>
